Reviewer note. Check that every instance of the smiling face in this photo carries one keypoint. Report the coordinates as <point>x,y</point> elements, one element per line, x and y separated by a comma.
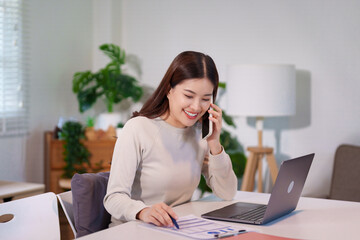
<point>188,101</point>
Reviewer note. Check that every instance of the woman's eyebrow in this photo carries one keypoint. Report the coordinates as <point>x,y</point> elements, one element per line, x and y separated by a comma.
<point>206,95</point>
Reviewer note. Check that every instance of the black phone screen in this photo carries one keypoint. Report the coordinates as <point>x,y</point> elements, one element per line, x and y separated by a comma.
<point>205,125</point>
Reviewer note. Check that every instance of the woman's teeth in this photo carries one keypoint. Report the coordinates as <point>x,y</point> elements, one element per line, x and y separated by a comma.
<point>191,114</point>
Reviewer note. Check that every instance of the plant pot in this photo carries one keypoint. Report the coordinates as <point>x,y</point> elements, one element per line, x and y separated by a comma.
<point>118,132</point>
<point>104,120</point>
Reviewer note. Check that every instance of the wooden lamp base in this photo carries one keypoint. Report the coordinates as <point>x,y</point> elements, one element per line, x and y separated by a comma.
<point>254,162</point>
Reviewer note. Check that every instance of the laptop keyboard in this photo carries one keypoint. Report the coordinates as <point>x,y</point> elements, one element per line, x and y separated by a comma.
<point>255,214</point>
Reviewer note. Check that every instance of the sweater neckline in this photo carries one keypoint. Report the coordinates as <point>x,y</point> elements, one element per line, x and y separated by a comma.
<point>172,128</point>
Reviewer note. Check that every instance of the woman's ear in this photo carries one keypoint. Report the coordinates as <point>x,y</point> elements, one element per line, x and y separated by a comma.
<point>168,94</point>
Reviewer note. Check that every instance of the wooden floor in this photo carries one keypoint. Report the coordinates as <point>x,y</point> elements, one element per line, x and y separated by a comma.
<point>65,229</point>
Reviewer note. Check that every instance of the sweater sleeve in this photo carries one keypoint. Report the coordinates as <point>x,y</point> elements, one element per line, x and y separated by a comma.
<point>219,175</point>
<point>125,161</point>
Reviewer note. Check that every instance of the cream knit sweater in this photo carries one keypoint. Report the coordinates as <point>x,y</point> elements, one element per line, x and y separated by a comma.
<point>155,162</point>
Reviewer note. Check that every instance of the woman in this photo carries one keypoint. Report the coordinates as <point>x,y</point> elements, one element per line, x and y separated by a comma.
<point>160,156</point>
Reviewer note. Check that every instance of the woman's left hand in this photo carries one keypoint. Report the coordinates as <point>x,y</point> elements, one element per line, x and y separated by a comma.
<point>214,139</point>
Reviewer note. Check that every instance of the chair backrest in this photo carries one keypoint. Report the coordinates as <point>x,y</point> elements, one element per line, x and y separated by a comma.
<point>88,192</point>
<point>34,217</point>
<point>66,203</point>
<point>345,183</point>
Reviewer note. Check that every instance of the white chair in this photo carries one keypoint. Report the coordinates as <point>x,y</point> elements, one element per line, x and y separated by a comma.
<point>34,217</point>
<point>66,203</point>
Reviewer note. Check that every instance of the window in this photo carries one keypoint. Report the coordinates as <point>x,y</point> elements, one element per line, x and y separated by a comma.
<point>13,102</point>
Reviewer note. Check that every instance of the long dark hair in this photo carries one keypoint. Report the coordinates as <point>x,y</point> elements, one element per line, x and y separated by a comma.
<point>186,65</point>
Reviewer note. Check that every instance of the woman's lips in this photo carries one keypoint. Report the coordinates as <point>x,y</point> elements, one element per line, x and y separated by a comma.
<point>191,115</point>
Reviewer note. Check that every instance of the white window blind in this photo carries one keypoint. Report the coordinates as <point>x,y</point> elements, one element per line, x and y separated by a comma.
<point>13,102</point>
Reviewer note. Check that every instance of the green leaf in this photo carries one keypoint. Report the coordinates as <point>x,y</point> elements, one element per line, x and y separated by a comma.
<point>238,160</point>
<point>81,79</point>
<point>222,85</point>
<point>90,121</point>
<point>87,98</point>
<point>114,52</point>
<point>127,87</point>
<point>114,68</point>
<point>203,186</point>
<point>228,120</point>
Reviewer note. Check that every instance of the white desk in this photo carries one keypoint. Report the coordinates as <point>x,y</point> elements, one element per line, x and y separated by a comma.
<point>313,219</point>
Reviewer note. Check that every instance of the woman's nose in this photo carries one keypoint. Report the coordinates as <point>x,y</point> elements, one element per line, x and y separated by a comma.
<point>196,105</point>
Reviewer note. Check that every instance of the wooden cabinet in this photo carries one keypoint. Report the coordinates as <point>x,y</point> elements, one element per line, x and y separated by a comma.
<point>101,153</point>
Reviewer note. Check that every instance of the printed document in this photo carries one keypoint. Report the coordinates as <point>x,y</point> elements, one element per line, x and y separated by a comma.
<point>198,228</point>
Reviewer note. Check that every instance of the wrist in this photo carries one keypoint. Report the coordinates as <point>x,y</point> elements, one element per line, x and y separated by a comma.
<point>139,214</point>
<point>216,149</point>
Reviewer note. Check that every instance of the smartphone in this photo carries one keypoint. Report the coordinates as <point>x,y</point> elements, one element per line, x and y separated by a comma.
<point>207,124</point>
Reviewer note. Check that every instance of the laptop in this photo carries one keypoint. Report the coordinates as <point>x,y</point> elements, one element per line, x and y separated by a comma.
<point>283,199</point>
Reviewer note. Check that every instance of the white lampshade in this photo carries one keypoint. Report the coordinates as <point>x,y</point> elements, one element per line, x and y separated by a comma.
<point>261,90</point>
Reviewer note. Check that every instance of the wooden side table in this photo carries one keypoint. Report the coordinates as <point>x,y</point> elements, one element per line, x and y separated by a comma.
<point>101,154</point>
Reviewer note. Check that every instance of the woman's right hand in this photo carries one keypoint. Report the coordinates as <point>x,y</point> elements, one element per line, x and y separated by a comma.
<point>157,214</point>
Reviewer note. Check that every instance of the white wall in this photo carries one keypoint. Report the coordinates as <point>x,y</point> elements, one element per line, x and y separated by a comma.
<point>60,43</point>
<point>319,37</point>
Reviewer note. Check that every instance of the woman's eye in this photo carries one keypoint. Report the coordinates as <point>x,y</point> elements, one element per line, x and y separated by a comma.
<point>206,99</point>
<point>188,96</point>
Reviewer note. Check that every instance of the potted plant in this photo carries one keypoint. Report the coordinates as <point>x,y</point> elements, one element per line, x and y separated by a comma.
<point>109,83</point>
<point>231,146</point>
<point>75,153</point>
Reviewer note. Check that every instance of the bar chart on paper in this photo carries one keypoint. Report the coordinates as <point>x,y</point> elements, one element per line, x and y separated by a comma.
<point>197,228</point>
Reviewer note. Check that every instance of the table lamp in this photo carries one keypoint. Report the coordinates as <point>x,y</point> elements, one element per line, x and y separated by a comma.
<point>260,90</point>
